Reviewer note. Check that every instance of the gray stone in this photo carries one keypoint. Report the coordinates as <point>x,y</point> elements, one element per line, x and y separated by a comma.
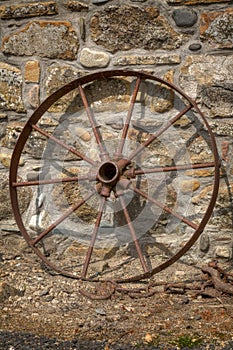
<point>210,81</point>
<point>218,97</point>
<point>101,312</point>
<point>138,28</point>
<point>52,39</point>
<point>32,176</point>
<point>184,17</point>
<point>204,243</point>
<point>93,58</point>
<point>195,47</point>
<point>115,124</point>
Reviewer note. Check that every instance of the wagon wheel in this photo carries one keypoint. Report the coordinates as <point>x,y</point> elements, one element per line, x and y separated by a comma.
<point>114,171</point>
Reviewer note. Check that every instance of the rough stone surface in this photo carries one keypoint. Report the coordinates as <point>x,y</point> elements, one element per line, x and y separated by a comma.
<point>204,242</point>
<point>90,58</point>
<point>57,76</point>
<point>11,88</point>
<point>76,6</point>
<point>210,81</point>
<point>12,133</point>
<point>45,39</point>
<point>217,28</point>
<point>124,60</point>
<point>222,127</point>
<point>32,71</point>
<point>28,10</point>
<point>184,17</point>
<point>113,35</point>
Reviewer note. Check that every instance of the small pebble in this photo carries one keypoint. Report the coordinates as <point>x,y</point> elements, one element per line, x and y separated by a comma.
<point>195,47</point>
<point>100,312</point>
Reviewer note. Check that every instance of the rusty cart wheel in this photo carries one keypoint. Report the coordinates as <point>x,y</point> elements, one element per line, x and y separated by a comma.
<point>122,173</point>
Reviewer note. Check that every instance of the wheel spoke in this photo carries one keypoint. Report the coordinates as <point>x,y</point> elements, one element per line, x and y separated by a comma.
<point>165,208</point>
<point>62,144</point>
<point>159,132</point>
<point>133,234</point>
<point>130,173</point>
<point>62,218</point>
<point>93,239</point>
<point>103,152</point>
<point>50,181</point>
<point>128,119</point>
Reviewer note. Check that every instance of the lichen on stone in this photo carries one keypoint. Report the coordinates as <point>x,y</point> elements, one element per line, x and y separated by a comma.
<point>137,28</point>
<point>43,38</point>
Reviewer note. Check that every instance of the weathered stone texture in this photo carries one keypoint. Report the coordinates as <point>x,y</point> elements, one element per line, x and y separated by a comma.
<point>223,127</point>
<point>12,133</point>
<point>28,10</point>
<point>129,32</point>
<point>76,6</point>
<point>124,60</point>
<point>11,88</point>
<point>163,99</point>
<point>222,215</point>
<point>217,28</point>
<point>209,79</point>
<point>45,39</point>
<point>57,76</point>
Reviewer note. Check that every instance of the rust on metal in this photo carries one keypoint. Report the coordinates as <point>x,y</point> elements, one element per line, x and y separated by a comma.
<point>111,177</point>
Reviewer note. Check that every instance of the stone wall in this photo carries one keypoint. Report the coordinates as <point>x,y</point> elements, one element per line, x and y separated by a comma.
<point>46,44</point>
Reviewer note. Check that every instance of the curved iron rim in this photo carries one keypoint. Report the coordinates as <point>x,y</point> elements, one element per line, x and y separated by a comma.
<point>38,113</point>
